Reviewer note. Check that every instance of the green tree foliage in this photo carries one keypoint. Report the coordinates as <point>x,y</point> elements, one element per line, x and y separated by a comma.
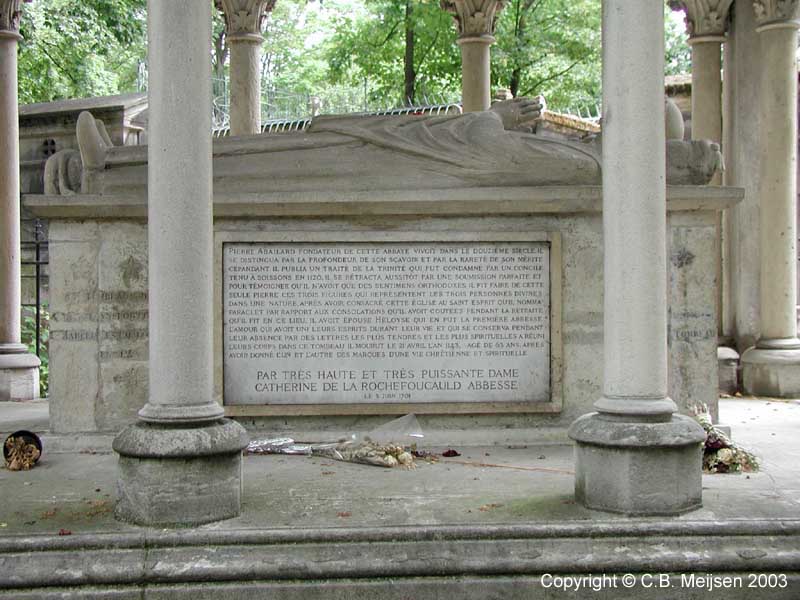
<point>549,47</point>
<point>399,50</point>
<point>28,337</point>
<point>402,49</point>
<point>678,53</point>
<point>80,48</point>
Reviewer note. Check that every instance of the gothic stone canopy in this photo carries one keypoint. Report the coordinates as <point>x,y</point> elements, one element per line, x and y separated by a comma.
<point>704,18</point>
<point>244,16</point>
<point>10,11</point>
<point>474,18</point>
<point>771,12</point>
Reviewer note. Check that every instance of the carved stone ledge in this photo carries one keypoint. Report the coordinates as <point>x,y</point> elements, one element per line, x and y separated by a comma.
<point>244,18</point>
<point>10,12</point>
<point>474,18</point>
<point>772,14</point>
<point>706,20</point>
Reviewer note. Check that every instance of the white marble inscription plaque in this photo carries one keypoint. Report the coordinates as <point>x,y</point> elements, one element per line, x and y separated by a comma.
<point>342,322</point>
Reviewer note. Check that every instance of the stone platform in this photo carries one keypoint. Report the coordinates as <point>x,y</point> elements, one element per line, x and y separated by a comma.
<point>491,523</point>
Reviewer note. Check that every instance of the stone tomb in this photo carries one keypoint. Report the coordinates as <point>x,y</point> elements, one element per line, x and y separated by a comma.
<point>322,327</point>
<point>99,345</point>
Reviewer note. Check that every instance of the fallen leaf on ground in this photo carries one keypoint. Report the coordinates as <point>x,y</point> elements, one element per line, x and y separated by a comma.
<point>488,507</point>
<point>49,513</point>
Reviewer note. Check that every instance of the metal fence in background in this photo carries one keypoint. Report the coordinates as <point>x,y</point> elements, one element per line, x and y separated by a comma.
<point>35,278</point>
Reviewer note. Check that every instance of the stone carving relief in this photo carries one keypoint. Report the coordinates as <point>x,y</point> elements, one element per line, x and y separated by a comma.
<point>706,17</point>
<point>474,18</point>
<point>775,11</point>
<point>10,11</point>
<point>244,16</point>
<point>69,171</point>
<point>357,152</point>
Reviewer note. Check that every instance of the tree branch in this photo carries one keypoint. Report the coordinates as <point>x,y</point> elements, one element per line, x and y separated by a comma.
<point>388,35</point>
<point>540,82</point>
<point>421,61</point>
<point>56,63</point>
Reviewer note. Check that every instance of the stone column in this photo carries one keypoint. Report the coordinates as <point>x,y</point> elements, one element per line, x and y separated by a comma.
<point>243,21</point>
<point>706,22</point>
<point>772,367</point>
<point>742,128</point>
<point>635,455</point>
<point>181,464</point>
<point>475,21</point>
<point>19,370</point>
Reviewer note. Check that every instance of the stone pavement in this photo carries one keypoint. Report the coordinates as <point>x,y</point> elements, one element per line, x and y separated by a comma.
<point>487,492</point>
<point>75,490</point>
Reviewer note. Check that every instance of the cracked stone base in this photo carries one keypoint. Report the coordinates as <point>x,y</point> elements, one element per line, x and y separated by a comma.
<point>638,469</point>
<point>179,476</point>
<point>19,377</point>
<point>770,372</point>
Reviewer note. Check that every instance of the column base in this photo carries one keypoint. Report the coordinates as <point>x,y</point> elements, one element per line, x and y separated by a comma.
<point>728,370</point>
<point>644,468</point>
<point>172,476</point>
<point>19,374</point>
<point>772,369</point>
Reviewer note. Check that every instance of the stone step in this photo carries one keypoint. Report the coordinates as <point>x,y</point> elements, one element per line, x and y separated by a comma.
<point>415,562</point>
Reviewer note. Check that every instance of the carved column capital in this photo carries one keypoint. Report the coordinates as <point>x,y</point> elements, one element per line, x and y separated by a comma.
<point>244,18</point>
<point>706,20</point>
<point>474,18</point>
<point>772,14</point>
<point>10,11</point>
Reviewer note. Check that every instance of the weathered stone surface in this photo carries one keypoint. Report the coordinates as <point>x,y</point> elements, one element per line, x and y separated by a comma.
<point>146,440</point>
<point>408,322</point>
<point>10,11</point>
<point>100,389</point>
<point>74,326</point>
<point>19,377</point>
<point>638,468</point>
<point>742,168</point>
<point>347,153</point>
<point>692,330</point>
<point>179,476</point>
<point>516,562</point>
<point>728,368</point>
<point>771,372</point>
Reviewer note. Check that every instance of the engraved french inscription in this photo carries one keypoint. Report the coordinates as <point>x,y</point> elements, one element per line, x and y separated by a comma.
<point>389,322</point>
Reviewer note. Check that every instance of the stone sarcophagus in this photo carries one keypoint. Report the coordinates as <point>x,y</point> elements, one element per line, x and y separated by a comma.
<point>451,267</point>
